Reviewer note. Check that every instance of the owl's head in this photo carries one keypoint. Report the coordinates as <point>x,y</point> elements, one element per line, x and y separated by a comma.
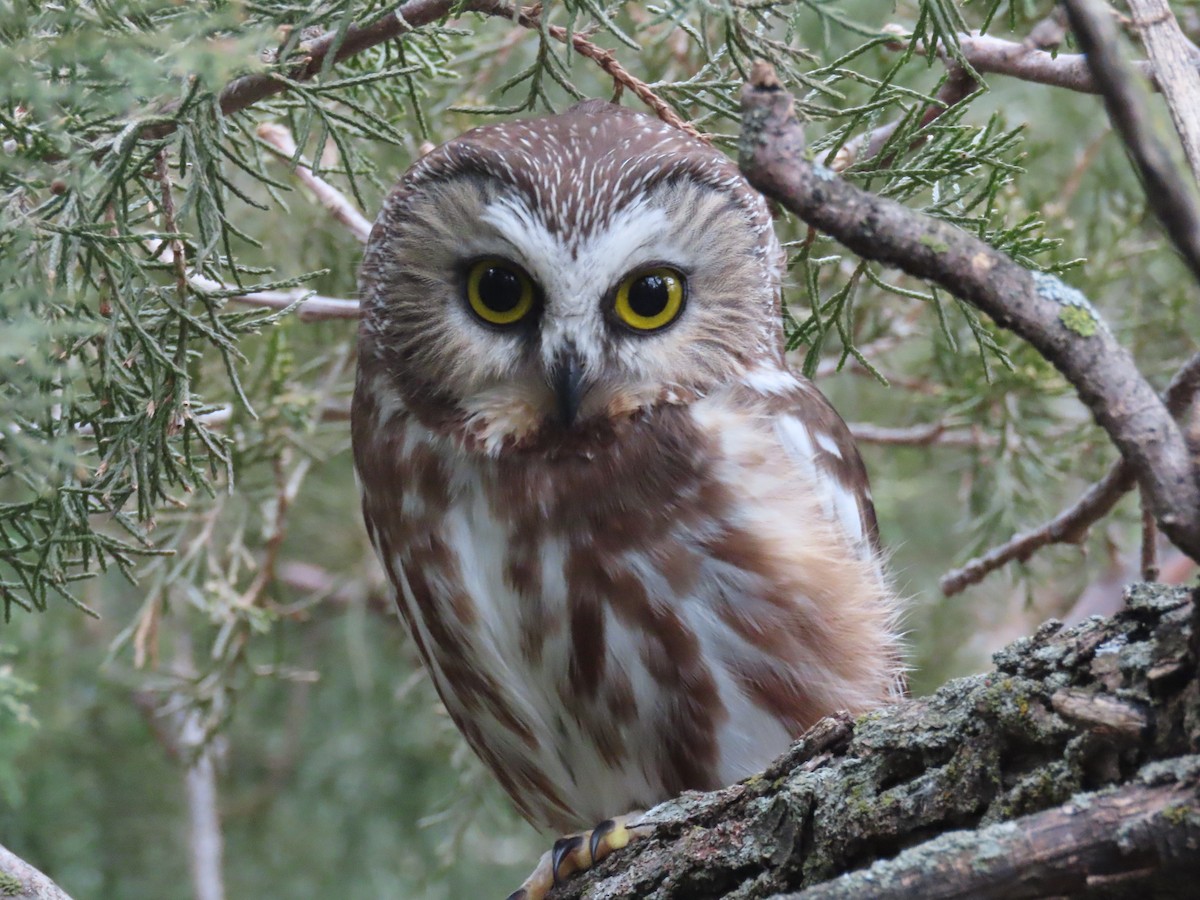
<point>544,276</point>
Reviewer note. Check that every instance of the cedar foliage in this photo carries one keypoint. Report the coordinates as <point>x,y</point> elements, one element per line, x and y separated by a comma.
<point>173,460</point>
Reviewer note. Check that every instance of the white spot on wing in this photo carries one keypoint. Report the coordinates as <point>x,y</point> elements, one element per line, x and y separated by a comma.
<point>770,380</point>
<point>828,444</point>
<point>839,504</point>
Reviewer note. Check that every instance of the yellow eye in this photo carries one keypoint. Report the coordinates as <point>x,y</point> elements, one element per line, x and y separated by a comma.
<point>500,293</point>
<point>649,300</point>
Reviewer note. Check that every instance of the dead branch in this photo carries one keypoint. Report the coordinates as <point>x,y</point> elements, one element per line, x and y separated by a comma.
<point>1171,53</point>
<point>531,17</point>
<point>1169,195</point>
<point>337,203</point>
<point>1056,319</point>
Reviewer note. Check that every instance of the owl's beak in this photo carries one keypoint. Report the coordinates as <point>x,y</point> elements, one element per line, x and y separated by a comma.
<point>566,379</point>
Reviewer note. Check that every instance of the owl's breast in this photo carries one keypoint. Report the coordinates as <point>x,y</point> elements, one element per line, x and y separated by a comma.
<point>607,629</point>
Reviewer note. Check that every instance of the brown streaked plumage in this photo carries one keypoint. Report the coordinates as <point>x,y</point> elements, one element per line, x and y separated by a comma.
<point>636,553</point>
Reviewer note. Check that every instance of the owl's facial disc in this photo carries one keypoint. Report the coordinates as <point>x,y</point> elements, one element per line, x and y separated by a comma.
<point>550,276</point>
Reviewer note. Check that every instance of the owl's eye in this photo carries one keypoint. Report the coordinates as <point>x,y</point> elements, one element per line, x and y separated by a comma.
<point>650,299</point>
<point>499,292</point>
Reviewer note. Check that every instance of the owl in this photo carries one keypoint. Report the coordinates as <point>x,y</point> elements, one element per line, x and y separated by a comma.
<point>636,553</point>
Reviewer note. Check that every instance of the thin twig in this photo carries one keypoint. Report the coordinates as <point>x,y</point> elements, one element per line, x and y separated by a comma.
<point>288,487</point>
<point>958,86</point>
<point>162,173</point>
<point>1175,66</point>
<point>1170,196</point>
<point>178,256</point>
<point>337,203</point>
<point>1149,544</point>
<point>531,17</point>
<point>328,49</point>
<point>1068,527</point>
<point>936,434</point>
<point>310,307</point>
<point>1072,524</point>
<point>1057,320</point>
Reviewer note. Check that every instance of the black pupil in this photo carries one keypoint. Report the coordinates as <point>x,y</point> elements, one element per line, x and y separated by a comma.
<point>649,295</point>
<point>500,289</point>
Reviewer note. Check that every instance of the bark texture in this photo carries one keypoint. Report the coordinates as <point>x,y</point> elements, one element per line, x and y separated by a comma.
<point>1072,769</point>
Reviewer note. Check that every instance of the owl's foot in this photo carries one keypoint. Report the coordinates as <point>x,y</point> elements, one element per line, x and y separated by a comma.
<point>577,852</point>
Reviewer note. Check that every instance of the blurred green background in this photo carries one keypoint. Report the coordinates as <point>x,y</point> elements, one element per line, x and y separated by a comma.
<point>339,774</point>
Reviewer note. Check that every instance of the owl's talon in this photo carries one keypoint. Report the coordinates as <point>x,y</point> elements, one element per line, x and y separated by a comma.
<point>610,835</point>
<point>565,858</point>
<point>577,852</point>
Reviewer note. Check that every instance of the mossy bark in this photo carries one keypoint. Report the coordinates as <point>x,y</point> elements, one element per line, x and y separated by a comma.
<point>1072,769</point>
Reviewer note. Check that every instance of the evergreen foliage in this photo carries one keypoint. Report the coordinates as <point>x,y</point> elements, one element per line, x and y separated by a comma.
<point>190,449</point>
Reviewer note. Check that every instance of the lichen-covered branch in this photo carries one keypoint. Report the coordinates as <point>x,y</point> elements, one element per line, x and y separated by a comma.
<point>1056,319</point>
<point>21,881</point>
<point>1097,840</point>
<point>1071,766</point>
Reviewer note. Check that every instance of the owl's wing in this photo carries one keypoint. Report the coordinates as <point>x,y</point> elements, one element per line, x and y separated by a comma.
<point>819,443</point>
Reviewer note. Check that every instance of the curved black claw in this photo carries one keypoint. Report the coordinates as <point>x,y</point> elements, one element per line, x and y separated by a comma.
<point>599,833</point>
<point>518,894</point>
<point>563,848</point>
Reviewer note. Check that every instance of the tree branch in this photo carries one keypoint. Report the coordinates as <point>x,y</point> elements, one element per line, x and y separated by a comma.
<point>531,17</point>
<point>958,86</point>
<point>1071,526</point>
<point>1175,66</point>
<point>316,54</point>
<point>1095,840</point>
<point>328,50</point>
<point>934,434</point>
<point>1068,527</point>
<point>1170,197</point>
<point>311,307</point>
<point>21,881</point>
<point>337,203</point>
<point>1056,319</point>
<point>1074,760</point>
<point>990,55</point>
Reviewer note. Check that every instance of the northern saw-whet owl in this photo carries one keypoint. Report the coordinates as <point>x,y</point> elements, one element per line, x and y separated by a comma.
<point>636,553</point>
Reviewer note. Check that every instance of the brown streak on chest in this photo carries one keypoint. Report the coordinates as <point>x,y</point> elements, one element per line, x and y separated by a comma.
<point>390,472</point>
<point>627,497</point>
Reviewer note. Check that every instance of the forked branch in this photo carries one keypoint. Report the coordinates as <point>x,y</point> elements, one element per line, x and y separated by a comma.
<point>1072,524</point>
<point>1056,319</point>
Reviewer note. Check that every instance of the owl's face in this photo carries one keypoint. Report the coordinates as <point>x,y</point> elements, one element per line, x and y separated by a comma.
<point>545,276</point>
